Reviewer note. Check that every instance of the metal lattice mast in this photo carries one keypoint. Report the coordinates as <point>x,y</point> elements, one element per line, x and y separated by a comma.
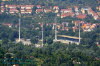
<point>55,28</point>
<point>79,34</point>
<point>0,5</point>
<point>42,34</point>
<point>42,29</point>
<point>19,25</point>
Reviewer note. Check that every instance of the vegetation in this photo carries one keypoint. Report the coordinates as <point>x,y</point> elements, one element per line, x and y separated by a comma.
<point>56,2</point>
<point>53,53</point>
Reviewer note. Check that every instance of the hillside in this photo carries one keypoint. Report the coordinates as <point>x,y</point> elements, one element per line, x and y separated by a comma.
<point>56,2</point>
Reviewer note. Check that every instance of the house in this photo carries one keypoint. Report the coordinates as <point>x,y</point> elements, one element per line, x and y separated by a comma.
<point>11,6</point>
<point>95,16</point>
<point>65,24</point>
<point>2,10</point>
<point>39,10</point>
<point>55,11</point>
<point>77,13</point>
<point>56,7</point>
<point>66,10</point>
<point>65,28</point>
<point>38,6</point>
<point>6,0</point>
<point>47,10</point>
<point>13,10</point>
<point>67,15</point>
<point>58,26</point>
<point>98,13</point>
<point>26,6</point>
<point>81,16</point>
<point>98,18</point>
<point>2,7</point>
<point>28,11</point>
<point>83,10</point>
<point>29,6</point>
<point>2,4</point>
<point>64,15</point>
<point>76,8</point>
<point>98,8</point>
<point>74,28</point>
<point>15,65</point>
<point>88,27</point>
<point>91,12</point>
<point>8,24</point>
<point>25,9</point>
<point>76,23</point>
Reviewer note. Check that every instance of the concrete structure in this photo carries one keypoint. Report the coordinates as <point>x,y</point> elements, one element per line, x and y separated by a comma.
<point>24,41</point>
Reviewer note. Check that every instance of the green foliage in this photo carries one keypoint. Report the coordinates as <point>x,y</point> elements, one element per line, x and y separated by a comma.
<point>56,2</point>
<point>90,38</point>
<point>34,40</point>
<point>50,40</point>
<point>1,53</point>
<point>53,54</point>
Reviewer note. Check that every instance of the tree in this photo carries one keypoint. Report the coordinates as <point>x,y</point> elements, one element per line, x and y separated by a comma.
<point>1,53</point>
<point>49,40</point>
<point>5,41</point>
<point>34,40</point>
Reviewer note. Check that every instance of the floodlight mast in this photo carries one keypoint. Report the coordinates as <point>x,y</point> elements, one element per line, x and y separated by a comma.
<point>42,29</point>
<point>42,34</point>
<point>55,28</point>
<point>19,26</point>
<point>79,34</point>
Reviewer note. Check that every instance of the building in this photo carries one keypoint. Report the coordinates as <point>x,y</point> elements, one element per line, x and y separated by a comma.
<point>66,10</point>
<point>24,41</point>
<point>39,10</point>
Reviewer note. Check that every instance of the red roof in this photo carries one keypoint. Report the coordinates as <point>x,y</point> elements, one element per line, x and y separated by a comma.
<point>7,24</point>
<point>38,6</point>
<point>26,6</point>
<point>39,10</point>
<point>13,9</point>
<point>56,6</point>
<point>29,10</point>
<point>12,6</point>
<point>47,10</point>
<point>75,7</point>
<point>29,5</point>
<point>81,16</point>
<point>67,14</point>
<point>64,15</point>
<point>74,27</point>
<point>62,10</point>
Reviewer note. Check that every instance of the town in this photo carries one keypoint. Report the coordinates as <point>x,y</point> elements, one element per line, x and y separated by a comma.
<point>49,32</point>
<point>74,12</point>
<point>80,13</point>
